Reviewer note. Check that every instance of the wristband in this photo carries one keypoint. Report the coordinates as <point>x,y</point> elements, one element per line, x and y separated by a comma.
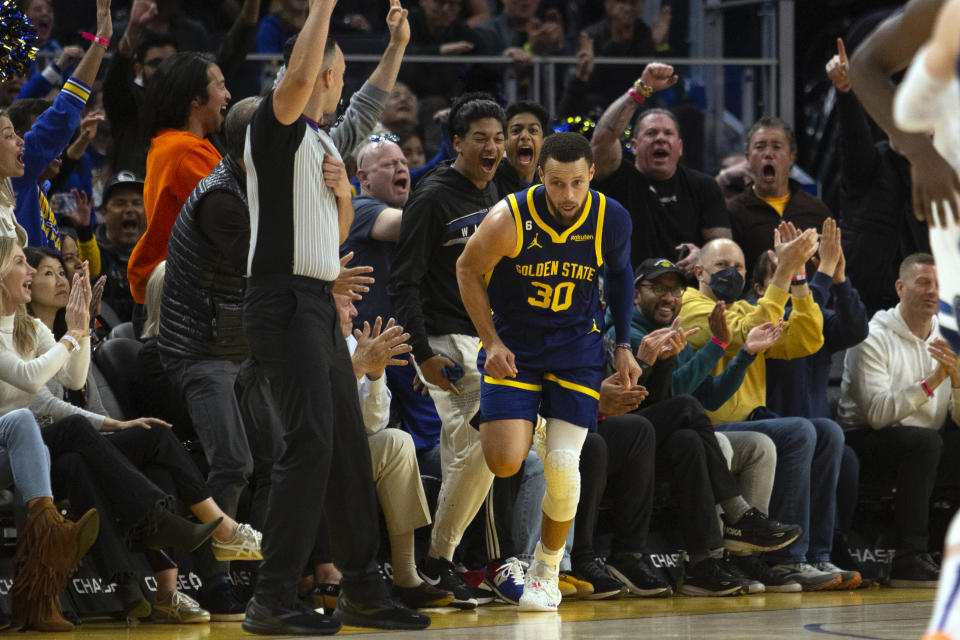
<point>722,345</point>
<point>625,345</point>
<point>73,341</point>
<point>96,39</point>
<point>636,97</point>
<point>926,387</point>
<point>798,282</point>
<point>642,88</point>
<point>844,88</point>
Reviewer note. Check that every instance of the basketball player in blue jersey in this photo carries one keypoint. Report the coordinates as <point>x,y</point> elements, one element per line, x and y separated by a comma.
<point>529,278</point>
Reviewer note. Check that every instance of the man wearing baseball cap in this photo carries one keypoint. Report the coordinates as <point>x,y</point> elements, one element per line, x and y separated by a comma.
<point>702,479</point>
<point>124,221</point>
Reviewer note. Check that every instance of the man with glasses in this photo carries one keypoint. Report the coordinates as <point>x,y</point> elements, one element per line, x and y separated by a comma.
<point>384,188</point>
<point>687,445</point>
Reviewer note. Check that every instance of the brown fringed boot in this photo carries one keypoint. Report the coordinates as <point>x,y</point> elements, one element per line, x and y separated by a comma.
<point>48,550</point>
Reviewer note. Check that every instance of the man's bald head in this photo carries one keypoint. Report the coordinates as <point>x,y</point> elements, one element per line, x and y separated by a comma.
<point>383,173</point>
<point>724,246</point>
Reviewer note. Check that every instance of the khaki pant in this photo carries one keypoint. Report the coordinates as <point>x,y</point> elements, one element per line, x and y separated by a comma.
<point>466,478</point>
<point>397,478</point>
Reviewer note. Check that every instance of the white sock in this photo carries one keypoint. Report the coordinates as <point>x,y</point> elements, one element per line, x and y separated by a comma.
<point>550,557</point>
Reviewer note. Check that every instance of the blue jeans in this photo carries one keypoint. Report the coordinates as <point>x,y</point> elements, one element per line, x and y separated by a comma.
<point>808,465</point>
<point>24,459</point>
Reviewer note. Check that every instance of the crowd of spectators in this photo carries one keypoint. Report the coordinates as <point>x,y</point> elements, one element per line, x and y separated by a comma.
<point>136,203</point>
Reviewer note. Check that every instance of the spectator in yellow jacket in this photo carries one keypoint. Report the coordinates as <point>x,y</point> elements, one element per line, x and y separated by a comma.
<point>809,451</point>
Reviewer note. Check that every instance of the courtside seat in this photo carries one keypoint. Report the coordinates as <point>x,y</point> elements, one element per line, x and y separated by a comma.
<point>117,360</point>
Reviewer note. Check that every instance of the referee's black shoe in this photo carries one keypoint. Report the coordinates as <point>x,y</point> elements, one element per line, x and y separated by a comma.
<point>385,613</point>
<point>294,619</point>
<point>754,532</point>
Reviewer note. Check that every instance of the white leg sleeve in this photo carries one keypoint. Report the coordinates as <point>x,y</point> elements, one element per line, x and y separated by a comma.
<point>561,469</point>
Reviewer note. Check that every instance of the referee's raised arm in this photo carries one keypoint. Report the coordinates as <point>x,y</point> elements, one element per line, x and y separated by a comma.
<point>306,61</point>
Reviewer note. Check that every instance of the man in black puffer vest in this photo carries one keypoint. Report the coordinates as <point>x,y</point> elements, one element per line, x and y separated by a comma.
<point>201,340</point>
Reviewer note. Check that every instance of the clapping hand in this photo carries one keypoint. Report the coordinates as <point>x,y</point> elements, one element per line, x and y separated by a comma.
<point>718,323</point>
<point>377,349</point>
<point>830,250</point>
<point>763,337</point>
<point>947,361</point>
<point>351,282</point>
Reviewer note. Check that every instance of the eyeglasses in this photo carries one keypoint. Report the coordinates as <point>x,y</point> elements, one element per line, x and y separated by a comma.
<point>660,290</point>
<point>383,137</point>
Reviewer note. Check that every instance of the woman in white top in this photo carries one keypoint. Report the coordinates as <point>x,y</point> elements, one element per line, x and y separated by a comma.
<point>29,358</point>
<point>48,547</point>
<point>155,452</point>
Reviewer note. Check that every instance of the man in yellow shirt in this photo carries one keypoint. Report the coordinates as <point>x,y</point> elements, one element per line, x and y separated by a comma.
<point>809,451</point>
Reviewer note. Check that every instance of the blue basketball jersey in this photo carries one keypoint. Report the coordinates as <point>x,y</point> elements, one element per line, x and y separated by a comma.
<point>545,295</point>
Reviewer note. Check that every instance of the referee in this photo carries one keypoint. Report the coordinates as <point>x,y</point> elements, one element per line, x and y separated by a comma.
<point>297,223</point>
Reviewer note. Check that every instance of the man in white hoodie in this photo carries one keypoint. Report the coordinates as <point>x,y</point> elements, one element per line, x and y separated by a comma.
<point>898,386</point>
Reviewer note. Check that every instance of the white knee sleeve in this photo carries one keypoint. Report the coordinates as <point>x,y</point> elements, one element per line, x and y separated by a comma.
<point>561,469</point>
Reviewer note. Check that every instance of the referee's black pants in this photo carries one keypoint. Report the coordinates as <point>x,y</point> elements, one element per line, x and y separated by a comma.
<point>293,331</point>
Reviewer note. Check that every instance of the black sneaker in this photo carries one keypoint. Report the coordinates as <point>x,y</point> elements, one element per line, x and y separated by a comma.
<point>633,572</point>
<point>710,577</point>
<point>914,571</point>
<point>221,601</point>
<point>754,567</point>
<point>385,613</point>
<point>751,584</point>
<point>756,532</point>
<point>439,573</point>
<point>594,572</point>
<point>295,619</point>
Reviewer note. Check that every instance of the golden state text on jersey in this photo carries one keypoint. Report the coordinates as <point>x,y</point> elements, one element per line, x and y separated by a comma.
<point>545,295</point>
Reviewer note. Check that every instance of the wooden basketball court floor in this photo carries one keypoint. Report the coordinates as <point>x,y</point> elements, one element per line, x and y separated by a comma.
<point>870,614</point>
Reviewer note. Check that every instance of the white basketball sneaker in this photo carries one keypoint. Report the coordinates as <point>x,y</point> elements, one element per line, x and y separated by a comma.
<point>540,589</point>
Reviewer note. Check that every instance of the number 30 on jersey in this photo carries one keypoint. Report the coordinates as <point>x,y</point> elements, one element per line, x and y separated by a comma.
<point>556,298</point>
